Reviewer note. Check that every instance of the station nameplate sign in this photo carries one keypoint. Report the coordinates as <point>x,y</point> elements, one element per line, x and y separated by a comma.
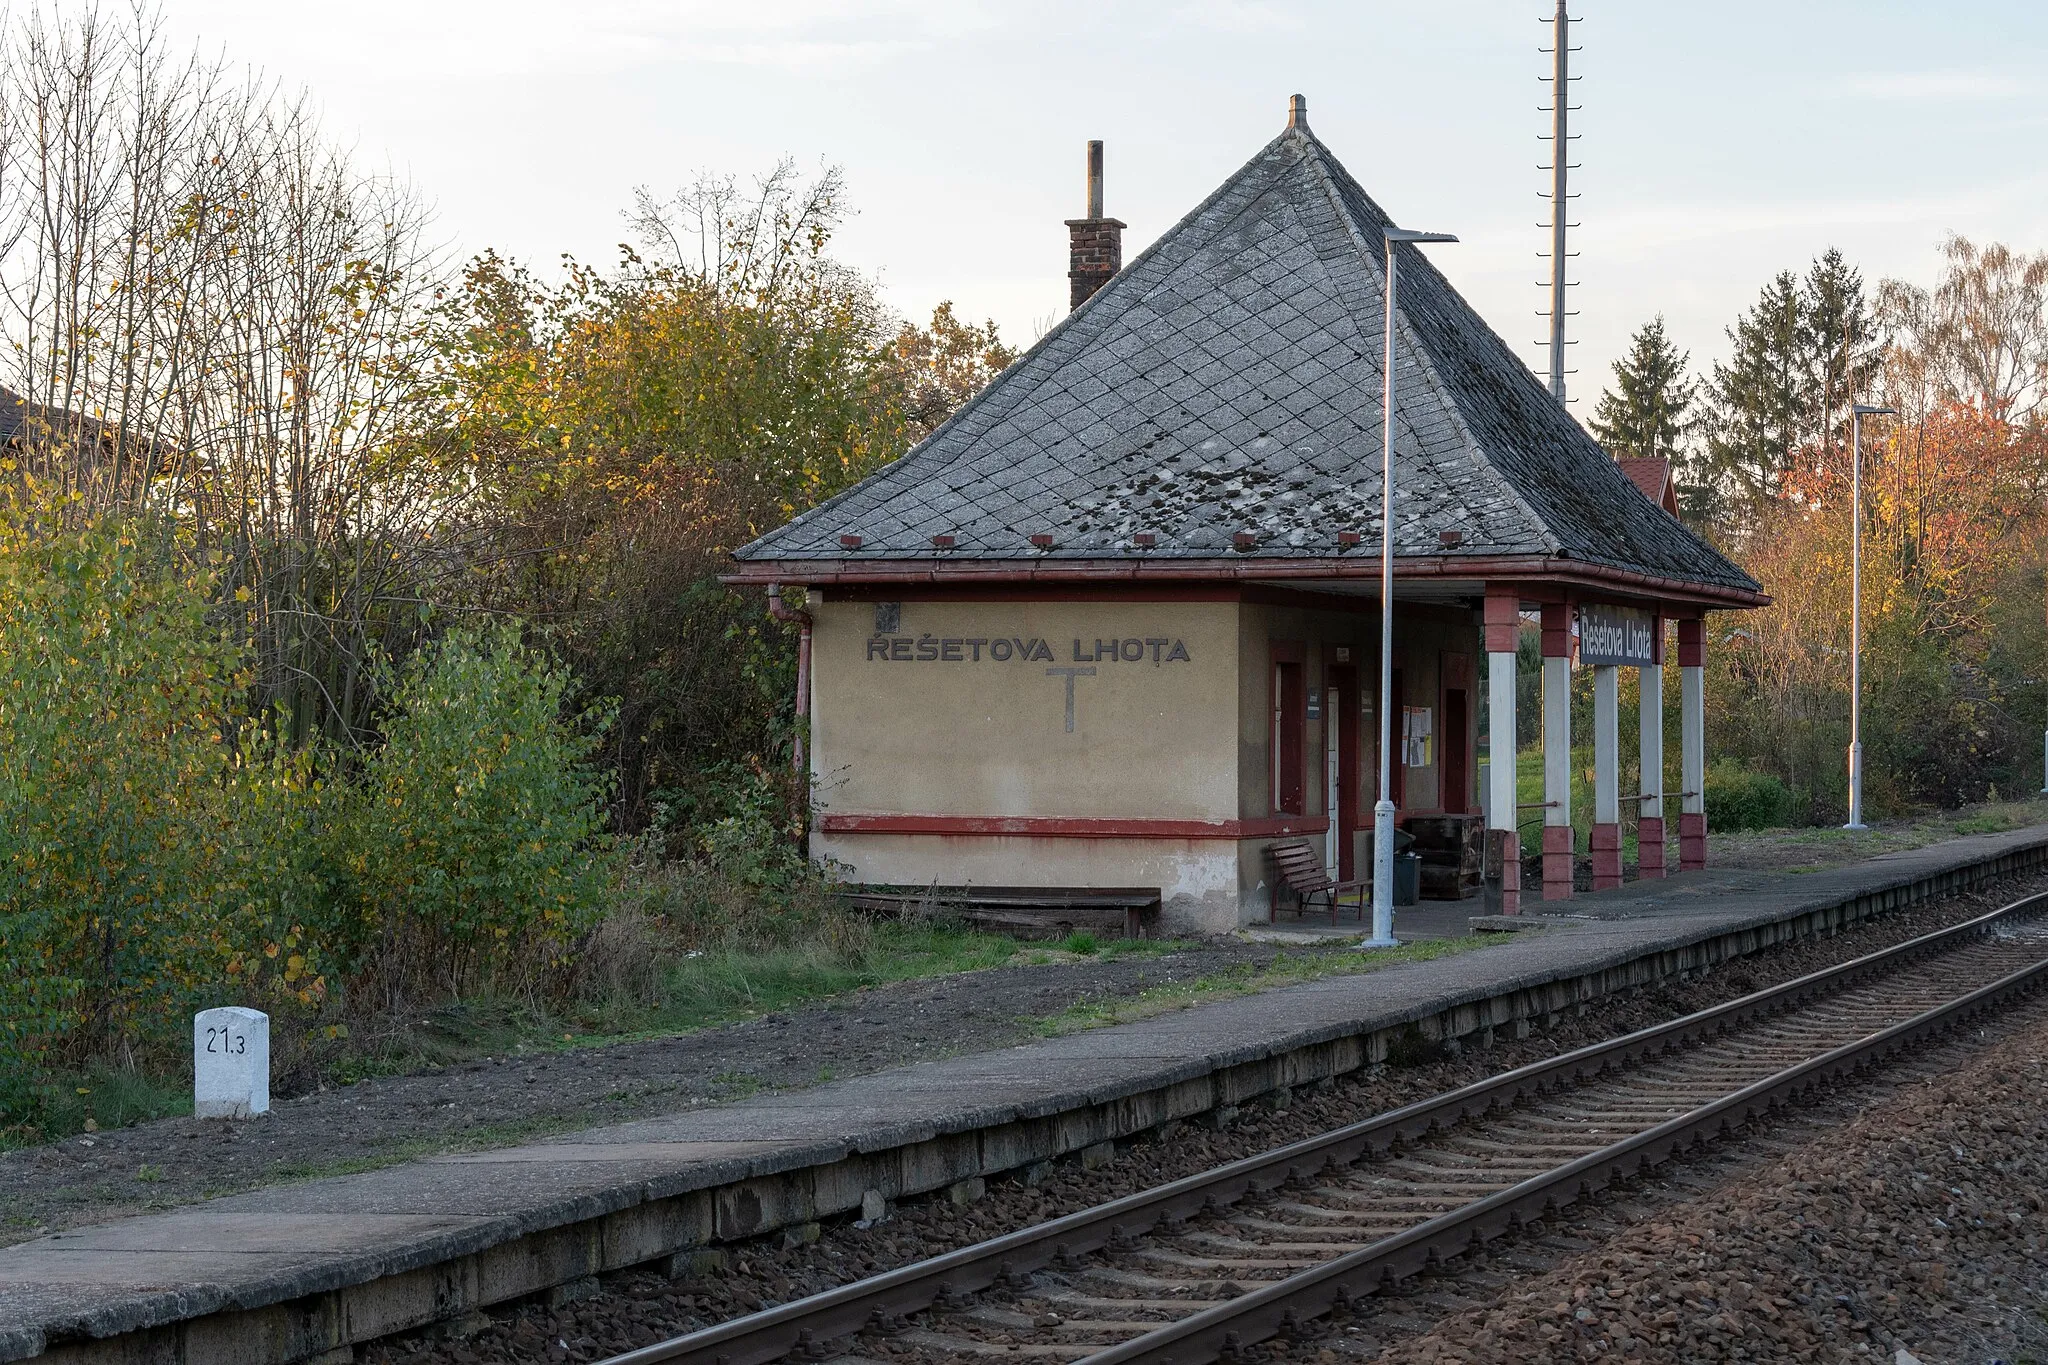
<point>905,649</point>
<point>1625,637</point>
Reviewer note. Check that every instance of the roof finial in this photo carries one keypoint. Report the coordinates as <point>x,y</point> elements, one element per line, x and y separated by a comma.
<point>1297,112</point>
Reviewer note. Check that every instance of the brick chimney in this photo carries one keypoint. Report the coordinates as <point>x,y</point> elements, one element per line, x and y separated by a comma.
<point>1098,242</point>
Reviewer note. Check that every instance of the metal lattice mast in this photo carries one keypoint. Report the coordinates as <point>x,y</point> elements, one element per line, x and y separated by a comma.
<point>1560,196</point>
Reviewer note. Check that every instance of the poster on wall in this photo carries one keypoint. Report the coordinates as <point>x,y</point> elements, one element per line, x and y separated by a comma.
<point>1418,726</point>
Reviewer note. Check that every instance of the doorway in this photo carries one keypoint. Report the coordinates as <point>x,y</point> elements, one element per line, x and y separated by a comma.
<point>1457,776</point>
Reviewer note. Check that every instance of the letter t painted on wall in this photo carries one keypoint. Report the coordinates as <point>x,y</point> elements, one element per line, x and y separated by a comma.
<point>1070,674</point>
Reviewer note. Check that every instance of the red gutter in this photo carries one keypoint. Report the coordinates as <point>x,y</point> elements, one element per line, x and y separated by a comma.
<point>1494,569</point>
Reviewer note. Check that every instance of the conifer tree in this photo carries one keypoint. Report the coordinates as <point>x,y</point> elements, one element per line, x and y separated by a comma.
<point>1648,410</point>
<point>1760,395</point>
<point>1843,352</point>
<point>1804,352</point>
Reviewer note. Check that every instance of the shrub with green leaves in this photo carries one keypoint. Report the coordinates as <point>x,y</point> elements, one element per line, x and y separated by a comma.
<point>1739,798</point>
<point>734,819</point>
<point>469,850</point>
<point>116,776</point>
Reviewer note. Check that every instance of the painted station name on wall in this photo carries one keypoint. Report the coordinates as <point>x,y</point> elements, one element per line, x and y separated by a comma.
<point>1625,637</point>
<point>903,649</point>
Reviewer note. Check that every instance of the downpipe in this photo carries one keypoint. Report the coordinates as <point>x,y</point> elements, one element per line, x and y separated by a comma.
<point>801,619</point>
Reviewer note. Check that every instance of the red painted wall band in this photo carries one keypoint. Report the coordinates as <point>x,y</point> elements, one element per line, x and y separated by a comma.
<point>1082,827</point>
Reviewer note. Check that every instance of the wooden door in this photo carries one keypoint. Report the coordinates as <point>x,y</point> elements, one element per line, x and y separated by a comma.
<point>1457,775</point>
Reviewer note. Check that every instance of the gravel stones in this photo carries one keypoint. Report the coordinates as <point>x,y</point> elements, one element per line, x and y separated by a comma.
<point>1915,1228</point>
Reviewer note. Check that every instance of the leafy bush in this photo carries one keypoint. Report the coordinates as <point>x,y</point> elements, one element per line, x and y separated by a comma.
<point>115,704</point>
<point>153,857</point>
<point>1738,798</point>
<point>470,846</point>
<point>736,820</point>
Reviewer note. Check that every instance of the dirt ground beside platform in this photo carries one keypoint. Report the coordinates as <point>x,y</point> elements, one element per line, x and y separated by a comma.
<point>1814,848</point>
<point>501,1100</point>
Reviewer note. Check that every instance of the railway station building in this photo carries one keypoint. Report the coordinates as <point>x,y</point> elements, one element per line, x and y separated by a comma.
<point>1116,624</point>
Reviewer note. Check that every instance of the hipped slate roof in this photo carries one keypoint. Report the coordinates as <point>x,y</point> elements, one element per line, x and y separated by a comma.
<point>1229,381</point>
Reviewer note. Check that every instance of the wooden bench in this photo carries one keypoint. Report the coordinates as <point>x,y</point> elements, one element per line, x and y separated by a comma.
<point>1024,911</point>
<point>1300,869</point>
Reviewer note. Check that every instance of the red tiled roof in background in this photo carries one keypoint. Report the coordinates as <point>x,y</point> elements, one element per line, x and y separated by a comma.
<point>1653,476</point>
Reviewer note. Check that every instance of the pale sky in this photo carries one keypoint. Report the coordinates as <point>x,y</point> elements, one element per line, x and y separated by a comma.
<point>1720,142</point>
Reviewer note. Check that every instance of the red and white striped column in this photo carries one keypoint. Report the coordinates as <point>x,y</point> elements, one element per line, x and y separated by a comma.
<point>1650,813</point>
<point>1503,634</point>
<point>1605,843</point>
<point>1692,744</point>
<point>1557,751</point>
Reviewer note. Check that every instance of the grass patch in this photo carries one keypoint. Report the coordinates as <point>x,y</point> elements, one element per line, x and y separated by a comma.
<point>1288,969</point>
<point>1990,822</point>
<point>100,1097</point>
<point>721,986</point>
<point>699,989</point>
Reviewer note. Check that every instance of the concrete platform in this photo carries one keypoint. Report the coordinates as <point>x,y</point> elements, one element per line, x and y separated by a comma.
<point>1430,919</point>
<point>303,1272</point>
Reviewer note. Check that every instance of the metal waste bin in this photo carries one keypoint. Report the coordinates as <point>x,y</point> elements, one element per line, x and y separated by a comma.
<point>1407,878</point>
<point>1407,866</point>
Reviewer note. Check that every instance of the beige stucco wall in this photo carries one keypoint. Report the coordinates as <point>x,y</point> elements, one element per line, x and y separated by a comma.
<point>916,724</point>
<point>946,733</point>
<point>989,737</point>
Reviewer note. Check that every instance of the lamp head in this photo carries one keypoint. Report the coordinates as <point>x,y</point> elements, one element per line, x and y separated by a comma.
<point>1395,234</point>
<point>1866,410</point>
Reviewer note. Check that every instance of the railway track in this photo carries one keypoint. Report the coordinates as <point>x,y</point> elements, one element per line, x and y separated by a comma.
<point>1285,1245</point>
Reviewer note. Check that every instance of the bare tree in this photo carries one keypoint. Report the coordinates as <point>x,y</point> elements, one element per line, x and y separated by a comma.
<point>210,311</point>
<point>1979,337</point>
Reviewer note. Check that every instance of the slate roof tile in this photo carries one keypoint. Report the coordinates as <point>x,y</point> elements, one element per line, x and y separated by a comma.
<point>1229,380</point>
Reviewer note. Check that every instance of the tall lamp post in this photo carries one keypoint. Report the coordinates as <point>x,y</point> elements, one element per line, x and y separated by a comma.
<point>1857,412</point>
<point>1383,810</point>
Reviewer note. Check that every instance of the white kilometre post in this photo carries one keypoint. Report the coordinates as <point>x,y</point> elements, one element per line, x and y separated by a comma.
<point>230,1063</point>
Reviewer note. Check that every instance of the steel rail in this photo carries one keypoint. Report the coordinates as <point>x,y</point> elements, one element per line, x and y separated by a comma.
<point>1288,1307</point>
<point>802,1326</point>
